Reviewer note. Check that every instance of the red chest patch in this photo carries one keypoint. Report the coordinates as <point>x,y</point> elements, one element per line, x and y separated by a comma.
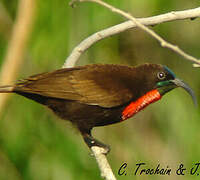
<point>140,103</point>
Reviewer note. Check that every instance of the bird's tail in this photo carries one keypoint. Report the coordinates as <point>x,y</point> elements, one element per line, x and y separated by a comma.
<point>6,89</point>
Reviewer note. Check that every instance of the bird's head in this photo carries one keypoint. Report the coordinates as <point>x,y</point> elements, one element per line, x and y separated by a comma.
<point>164,80</point>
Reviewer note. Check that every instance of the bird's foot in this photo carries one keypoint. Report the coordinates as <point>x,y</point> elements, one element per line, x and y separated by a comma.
<point>90,141</point>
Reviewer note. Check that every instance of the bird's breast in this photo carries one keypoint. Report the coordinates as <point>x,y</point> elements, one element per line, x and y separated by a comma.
<point>140,103</point>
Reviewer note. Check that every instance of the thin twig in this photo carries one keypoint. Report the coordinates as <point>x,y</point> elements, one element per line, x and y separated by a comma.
<point>172,16</point>
<point>99,152</point>
<point>17,45</point>
<point>106,171</point>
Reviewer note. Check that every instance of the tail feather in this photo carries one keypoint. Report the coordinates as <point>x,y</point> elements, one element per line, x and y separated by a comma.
<point>6,89</point>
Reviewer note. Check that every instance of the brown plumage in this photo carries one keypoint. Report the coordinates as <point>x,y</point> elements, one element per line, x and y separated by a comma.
<point>92,95</point>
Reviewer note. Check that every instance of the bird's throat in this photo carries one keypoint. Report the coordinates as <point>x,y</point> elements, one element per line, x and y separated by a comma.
<point>140,103</point>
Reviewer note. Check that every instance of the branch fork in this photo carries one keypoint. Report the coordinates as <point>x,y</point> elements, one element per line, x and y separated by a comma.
<point>142,23</point>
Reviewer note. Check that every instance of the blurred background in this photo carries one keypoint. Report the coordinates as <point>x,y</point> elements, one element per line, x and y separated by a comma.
<point>36,145</point>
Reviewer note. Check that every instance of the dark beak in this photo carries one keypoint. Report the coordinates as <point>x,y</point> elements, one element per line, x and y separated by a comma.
<point>182,84</point>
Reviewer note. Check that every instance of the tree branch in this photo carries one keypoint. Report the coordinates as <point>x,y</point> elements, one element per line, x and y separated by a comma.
<point>99,153</point>
<point>106,171</point>
<point>149,21</point>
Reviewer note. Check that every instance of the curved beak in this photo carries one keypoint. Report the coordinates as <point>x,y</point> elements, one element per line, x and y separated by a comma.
<point>180,83</point>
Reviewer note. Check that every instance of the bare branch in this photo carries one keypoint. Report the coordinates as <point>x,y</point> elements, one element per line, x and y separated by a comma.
<point>99,153</point>
<point>149,21</point>
<point>106,171</point>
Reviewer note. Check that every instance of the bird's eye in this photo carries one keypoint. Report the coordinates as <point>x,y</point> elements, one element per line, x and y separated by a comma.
<point>161,75</point>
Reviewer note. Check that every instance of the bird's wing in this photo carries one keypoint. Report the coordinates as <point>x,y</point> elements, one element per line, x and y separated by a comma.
<point>93,85</point>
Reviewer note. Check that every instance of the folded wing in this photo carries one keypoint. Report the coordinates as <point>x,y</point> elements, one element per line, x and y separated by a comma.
<point>91,85</point>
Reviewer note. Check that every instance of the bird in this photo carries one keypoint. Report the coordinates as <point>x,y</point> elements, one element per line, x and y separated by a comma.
<point>98,94</point>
